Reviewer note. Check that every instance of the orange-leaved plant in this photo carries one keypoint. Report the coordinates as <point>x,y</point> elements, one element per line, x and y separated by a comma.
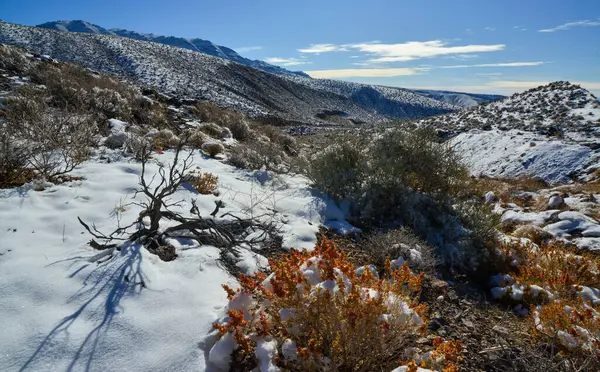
<point>326,314</point>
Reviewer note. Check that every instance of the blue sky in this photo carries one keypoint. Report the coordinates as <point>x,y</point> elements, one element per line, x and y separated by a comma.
<point>475,46</point>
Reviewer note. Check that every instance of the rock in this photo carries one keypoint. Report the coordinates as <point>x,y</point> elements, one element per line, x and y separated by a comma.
<point>555,202</point>
<point>490,197</point>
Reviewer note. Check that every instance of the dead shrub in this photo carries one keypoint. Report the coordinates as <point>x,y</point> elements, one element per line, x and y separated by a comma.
<point>534,233</point>
<point>211,129</point>
<point>54,141</point>
<point>13,59</point>
<point>240,129</point>
<point>399,243</point>
<point>321,314</point>
<point>213,148</point>
<point>256,155</point>
<point>277,136</point>
<point>196,138</point>
<point>14,170</point>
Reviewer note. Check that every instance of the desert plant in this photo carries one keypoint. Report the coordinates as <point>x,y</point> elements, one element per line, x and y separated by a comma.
<point>398,243</point>
<point>205,183</point>
<point>320,314</point>
<point>13,163</point>
<point>54,141</point>
<point>213,148</point>
<point>13,59</point>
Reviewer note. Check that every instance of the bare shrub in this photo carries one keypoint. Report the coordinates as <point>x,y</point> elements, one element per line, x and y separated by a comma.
<point>257,154</point>
<point>399,243</point>
<point>211,129</point>
<point>13,162</point>
<point>240,129</point>
<point>196,138</point>
<point>534,233</point>
<point>13,59</point>
<point>277,136</point>
<point>54,141</point>
<point>213,148</point>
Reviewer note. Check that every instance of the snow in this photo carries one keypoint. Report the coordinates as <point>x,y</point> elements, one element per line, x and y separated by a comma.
<point>533,218</point>
<point>61,310</point>
<point>571,221</point>
<point>509,154</point>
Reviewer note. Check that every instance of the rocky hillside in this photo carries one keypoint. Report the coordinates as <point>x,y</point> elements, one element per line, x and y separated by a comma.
<point>195,44</point>
<point>188,74</point>
<point>558,106</point>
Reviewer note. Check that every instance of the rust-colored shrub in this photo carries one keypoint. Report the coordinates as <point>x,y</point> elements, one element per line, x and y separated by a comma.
<point>205,183</point>
<point>324,313</point>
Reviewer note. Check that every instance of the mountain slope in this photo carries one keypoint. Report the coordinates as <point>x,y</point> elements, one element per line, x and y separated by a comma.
<point>195,44</point>
<point>190,74</point>
<point>558,105</point>
<point>389,101</point>
<point>461,99</point>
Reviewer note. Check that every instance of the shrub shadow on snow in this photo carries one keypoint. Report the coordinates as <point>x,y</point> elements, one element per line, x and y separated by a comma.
<point>99,299</point>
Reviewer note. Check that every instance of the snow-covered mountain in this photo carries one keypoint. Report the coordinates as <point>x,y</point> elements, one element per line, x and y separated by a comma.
<point>461,99</point>
<point>558,106</point>
<point>195,44</point>
<point>190,74</point>
<point>389,101</point>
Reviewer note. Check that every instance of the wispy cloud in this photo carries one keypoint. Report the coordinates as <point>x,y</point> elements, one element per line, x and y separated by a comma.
<point>322,48</point>
<point>520,28</point>
<point>505,64</point>
<point>490,29</point>
<point>364,72</point>
<point>566,26</point>
<point>248,49</point>
<point>286,61</point>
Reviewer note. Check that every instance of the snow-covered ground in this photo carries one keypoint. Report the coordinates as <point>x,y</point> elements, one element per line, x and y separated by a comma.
<point>60,310</point>
<point>514,153</point>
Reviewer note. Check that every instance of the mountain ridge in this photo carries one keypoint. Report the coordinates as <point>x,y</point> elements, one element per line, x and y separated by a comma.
<point>189,74</point>
<point>196,44</point>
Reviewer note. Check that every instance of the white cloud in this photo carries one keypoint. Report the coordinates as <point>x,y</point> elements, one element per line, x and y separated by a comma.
<point>322,48</point>
<point>402,52</point>
<point>419,49</point>
<point>364,72</point>
<point>248,49</point>
<point>505,64</point>
<point>566,26</point>
<point>286,61</point>
<point>490,29</point>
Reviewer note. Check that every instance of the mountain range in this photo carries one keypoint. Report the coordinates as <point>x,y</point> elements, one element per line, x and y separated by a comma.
<point>195,44</point>
<point>184,73</point>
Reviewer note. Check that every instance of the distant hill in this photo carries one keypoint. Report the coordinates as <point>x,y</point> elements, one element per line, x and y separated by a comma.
<point>195,44</point>
<point>558,105</point>
<point>461,99</point>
